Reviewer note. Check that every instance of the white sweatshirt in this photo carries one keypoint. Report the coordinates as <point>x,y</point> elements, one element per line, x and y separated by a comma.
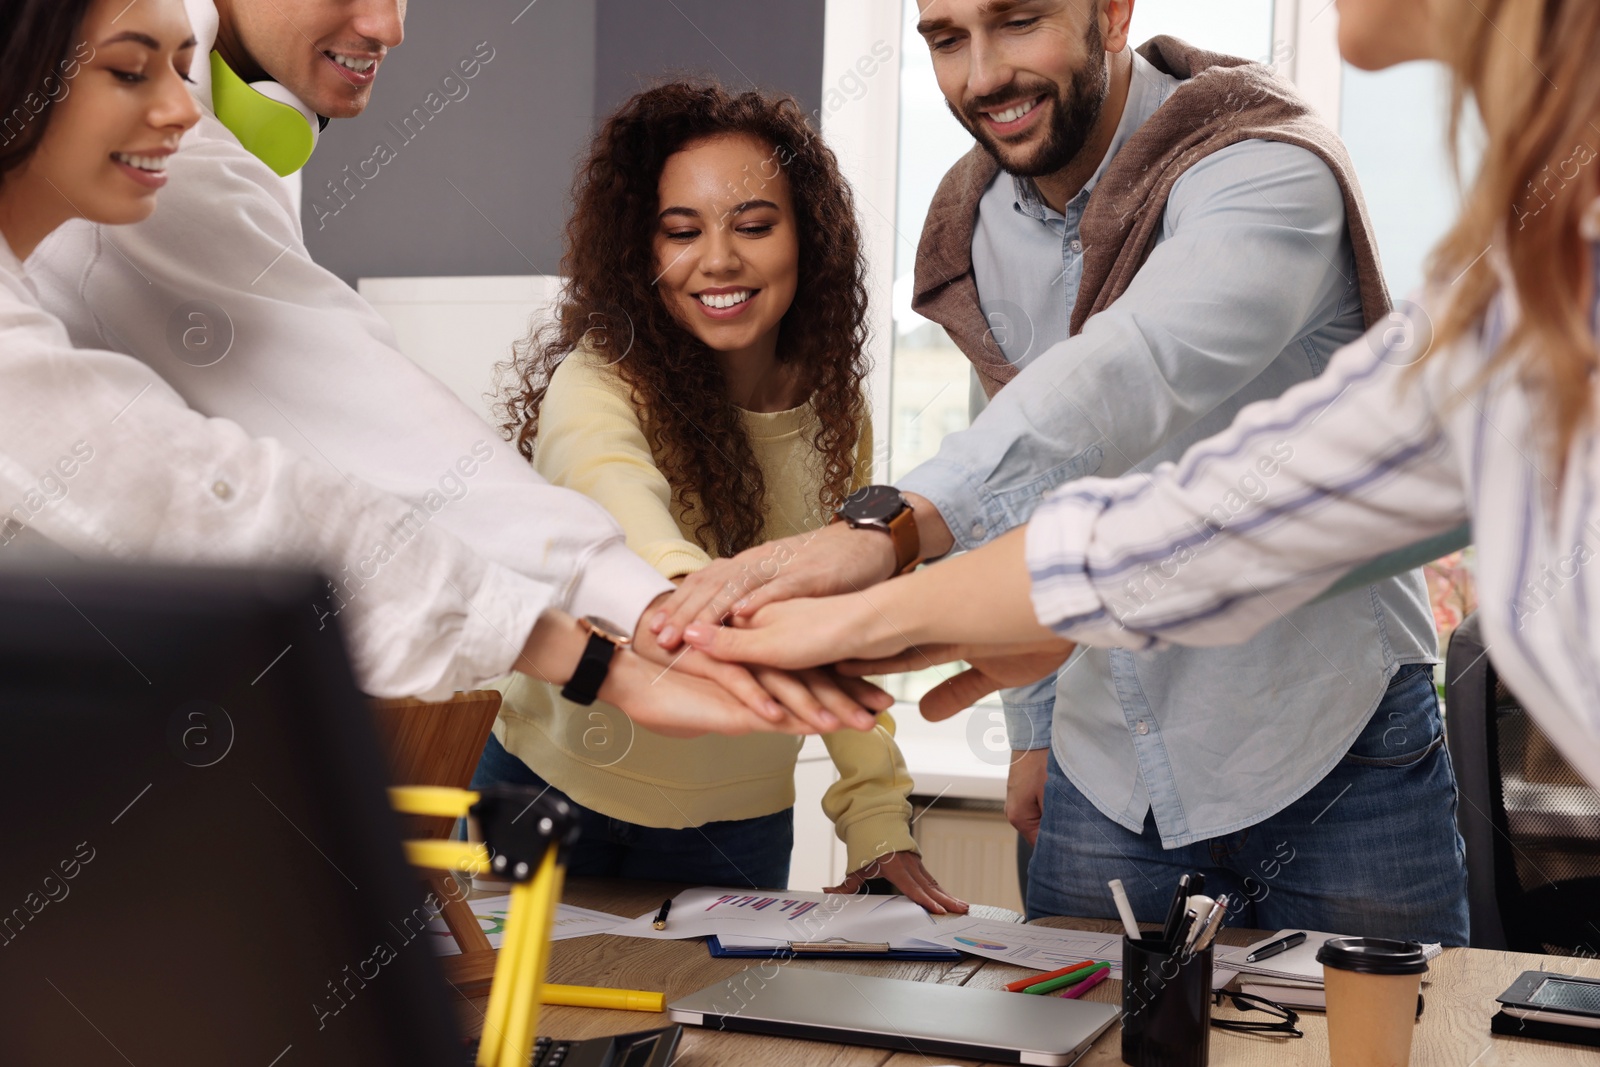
<point>312,365</point>
<point>100,457</point>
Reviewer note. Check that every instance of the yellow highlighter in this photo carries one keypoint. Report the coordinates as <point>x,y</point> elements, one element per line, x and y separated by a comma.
<point>583,996</point>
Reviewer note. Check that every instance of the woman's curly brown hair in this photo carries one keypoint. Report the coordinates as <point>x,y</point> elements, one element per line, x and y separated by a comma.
<point>695,431</point>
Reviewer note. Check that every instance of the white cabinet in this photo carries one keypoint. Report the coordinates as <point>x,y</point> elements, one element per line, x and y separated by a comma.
<point>459,329</point>
<point>958,820</point>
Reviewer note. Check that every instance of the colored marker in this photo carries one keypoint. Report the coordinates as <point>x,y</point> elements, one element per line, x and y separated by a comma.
<point>1067,979</point>
<point>1034,979</point>
<point>1087,984</point>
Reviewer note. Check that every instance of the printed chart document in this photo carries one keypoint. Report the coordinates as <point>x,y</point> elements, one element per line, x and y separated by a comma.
<point>740,919</point>
<point>491,914</point>
<point>1043,948</point>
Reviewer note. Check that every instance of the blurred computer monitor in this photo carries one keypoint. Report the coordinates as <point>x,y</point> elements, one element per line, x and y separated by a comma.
<point>199,865</point>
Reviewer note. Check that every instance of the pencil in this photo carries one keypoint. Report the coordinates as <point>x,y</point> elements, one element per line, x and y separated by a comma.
<point>1023,983</point>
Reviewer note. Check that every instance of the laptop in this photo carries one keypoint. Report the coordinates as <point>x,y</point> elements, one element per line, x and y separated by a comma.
<point>201,866</point>
<point>918,1017</point>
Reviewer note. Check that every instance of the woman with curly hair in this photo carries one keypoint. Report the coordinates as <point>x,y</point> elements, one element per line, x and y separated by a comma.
<point>702,378</point>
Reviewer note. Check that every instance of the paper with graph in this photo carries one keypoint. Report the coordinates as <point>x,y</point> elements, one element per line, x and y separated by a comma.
<point>1045,948</point>
<point>491,912</point>
<point>742,919</point>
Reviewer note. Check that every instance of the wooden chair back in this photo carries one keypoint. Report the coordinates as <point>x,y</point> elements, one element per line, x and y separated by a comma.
<point>439,744</point>
<point>435,744</point>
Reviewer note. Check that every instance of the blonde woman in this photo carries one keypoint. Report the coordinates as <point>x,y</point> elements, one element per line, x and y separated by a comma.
<point>1480,406</point>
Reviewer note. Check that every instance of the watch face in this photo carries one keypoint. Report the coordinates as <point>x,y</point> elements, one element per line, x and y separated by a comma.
<point>606,628</point>
<point>875,503</point>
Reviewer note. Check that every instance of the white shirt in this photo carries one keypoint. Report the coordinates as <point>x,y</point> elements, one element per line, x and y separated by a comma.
<point>102,458</point>
<point>1357,462</point>
<point>312,365</point>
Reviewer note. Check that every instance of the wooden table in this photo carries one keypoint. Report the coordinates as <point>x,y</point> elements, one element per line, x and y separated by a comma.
<point>1453,1032</point>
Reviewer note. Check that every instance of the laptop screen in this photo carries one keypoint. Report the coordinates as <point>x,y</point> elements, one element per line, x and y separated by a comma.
<point>200,866</point>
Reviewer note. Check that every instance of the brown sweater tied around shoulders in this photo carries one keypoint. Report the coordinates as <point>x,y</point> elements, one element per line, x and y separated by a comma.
<point>1222,100</point>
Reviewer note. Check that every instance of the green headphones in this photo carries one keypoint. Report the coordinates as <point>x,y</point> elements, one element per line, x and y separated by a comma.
<point>269,121</point>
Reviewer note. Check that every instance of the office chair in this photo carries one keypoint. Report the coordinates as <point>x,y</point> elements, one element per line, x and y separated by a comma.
<point>1531,824</point>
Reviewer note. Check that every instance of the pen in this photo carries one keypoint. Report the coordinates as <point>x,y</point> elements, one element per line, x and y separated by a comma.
<point>1180,937</point>
<point>1283,944</point>
<point>1201,906</point>
<point>1130,925</point>
<point>1034,979</point>
<point>583,996</point>
<point>1180,898</point>
<point>1087,984</point>
<point>1219,911</point>
<point>661,916</point>
<point>1054,984</point>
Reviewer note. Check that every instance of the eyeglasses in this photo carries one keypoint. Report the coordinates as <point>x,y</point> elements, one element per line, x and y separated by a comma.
<point>1284,1024</point>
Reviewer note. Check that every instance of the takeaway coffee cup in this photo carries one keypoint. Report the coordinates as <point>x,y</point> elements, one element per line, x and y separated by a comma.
<point>1372,987</point>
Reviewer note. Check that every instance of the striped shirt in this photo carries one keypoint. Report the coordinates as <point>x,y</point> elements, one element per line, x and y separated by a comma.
<point>1366,458</point>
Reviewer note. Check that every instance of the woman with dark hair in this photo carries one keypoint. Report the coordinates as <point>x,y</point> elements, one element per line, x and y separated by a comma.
<point>99,457</point>
<point>702,379</point>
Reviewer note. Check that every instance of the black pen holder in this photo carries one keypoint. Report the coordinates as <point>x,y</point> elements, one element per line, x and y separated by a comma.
<point>1166,1005</point>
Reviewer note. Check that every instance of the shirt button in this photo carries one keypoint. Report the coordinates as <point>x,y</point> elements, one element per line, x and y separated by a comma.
<point>978,531</point>
<point>1142,728</point>
<point>1076,246</point>
<point>222,489</point>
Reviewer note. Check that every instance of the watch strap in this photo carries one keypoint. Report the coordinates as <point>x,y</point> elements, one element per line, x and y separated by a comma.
<point>907,541</point>
<point>593,666</point>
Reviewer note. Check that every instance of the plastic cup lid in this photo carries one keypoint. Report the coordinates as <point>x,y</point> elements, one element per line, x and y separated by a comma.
<point>1372,955</point>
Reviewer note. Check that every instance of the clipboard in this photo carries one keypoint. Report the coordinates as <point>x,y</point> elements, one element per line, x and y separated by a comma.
<point>833,950</point>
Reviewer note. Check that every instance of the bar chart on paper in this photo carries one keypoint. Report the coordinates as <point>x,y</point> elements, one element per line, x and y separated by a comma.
<point>739,917</point>
<point>789,909</point>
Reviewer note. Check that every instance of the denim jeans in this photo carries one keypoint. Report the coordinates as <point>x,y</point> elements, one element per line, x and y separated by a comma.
<point>740,852</point>
<point>1372,849</point>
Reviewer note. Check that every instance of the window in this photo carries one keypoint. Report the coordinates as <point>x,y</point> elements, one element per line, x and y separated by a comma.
<point>1392,121</point>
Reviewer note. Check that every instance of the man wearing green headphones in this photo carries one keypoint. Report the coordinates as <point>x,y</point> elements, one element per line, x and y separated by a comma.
<point>217,293</point>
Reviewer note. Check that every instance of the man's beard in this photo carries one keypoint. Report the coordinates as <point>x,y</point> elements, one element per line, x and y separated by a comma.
<point>1072,118</point>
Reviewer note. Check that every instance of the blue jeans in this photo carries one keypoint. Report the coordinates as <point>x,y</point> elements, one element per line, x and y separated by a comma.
<point>1372,849</point>
<point>740,852</point>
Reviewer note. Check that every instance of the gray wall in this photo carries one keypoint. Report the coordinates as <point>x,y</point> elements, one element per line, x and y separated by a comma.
<point>766,44</point>
<point>446,175</point>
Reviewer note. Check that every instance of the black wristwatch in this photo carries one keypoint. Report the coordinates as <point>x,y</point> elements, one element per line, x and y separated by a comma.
<point>883,507</point>
<point>604,641</point>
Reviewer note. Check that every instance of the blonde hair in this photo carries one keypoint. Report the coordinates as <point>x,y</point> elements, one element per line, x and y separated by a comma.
<point>1529,66</point>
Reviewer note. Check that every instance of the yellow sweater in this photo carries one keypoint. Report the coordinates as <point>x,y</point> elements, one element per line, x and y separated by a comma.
<point>591,439</point>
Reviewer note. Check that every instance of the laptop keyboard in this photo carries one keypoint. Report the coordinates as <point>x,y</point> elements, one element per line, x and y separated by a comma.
<point>546,1053</point>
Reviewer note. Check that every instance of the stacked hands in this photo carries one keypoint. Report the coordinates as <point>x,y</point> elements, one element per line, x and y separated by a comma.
<point>824,599</point>
<point>823,605</point>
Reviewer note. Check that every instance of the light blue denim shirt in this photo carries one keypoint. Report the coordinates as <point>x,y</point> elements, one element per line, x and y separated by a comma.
<point>1249,289</point>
